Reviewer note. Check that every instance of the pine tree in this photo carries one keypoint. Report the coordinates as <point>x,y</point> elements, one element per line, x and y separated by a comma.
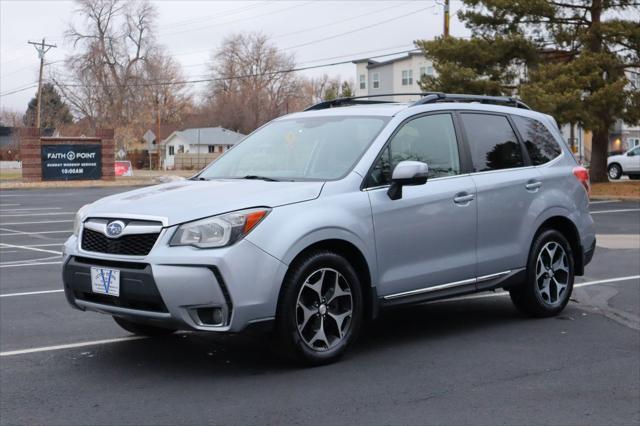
<point>577,55</point>
<point>53,112</point>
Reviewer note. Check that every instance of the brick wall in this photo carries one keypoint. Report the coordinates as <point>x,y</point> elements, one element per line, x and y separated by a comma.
<point>31,151</point>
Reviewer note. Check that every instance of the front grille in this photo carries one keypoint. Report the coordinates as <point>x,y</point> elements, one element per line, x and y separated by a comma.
<point>131,245</point>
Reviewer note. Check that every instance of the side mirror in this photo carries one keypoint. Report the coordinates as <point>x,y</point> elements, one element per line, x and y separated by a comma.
<point>630,154</point>
<point>407,173</point>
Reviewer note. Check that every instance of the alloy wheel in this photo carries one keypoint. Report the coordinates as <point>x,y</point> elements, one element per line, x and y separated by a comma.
<point>552,273</point>
<point>324,309</point>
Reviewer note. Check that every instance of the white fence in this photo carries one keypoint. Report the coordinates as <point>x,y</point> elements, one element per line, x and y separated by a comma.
<point>11,165</point>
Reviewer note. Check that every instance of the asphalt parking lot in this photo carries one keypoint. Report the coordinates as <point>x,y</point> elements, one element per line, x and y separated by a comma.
<point>474,360</point>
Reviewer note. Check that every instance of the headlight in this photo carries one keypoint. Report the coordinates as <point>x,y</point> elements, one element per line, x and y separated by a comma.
<point>77,223</point>
<point>218,231</point>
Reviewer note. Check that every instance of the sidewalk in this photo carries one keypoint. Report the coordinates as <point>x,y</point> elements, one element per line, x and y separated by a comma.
<point>12,179</point>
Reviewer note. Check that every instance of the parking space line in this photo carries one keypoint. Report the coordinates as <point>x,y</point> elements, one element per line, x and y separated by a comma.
<point>26,208</point>
<point>604,201</point>
<point>506,293</point>
<point>130,338</point>
<point>29,248</point>
<point>615,211</point>
<point>67,231</point>
<point>30,264</point>
<point>30,293</point>
<point>73,345</point>
<point>29,261</point>
<point>36,223</point>
<point>26,214</point>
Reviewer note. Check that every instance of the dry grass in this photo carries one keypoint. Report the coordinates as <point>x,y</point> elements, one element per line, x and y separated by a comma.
<point>10,174</point>
<point>623,189</point>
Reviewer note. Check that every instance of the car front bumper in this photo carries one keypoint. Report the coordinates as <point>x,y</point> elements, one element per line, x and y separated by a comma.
<point>175,287</point>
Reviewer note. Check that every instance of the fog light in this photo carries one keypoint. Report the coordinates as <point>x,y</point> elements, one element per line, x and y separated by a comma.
<point>210,316</point>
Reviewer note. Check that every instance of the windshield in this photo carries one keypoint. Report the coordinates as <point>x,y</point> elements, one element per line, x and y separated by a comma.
<point>310,148</point>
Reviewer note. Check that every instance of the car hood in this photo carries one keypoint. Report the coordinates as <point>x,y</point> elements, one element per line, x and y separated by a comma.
<point>616,157</point>
<point>188,200</point>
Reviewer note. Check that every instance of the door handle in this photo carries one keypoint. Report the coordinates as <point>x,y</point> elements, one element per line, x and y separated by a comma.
<point>533,185</point>
<point>463,198</point>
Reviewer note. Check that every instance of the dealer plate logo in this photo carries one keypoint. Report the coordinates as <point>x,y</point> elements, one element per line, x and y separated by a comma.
<point>115,228</point>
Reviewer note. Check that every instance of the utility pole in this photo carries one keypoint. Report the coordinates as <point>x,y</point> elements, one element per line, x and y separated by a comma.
<point>42,49</point>
<point>446,18</point>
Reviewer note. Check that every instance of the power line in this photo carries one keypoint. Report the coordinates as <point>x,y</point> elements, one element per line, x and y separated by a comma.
<point>235,77</point>
<point>14,91</point>
<point>358,29</point>
<point>284,9</point>
<point>395,6</point>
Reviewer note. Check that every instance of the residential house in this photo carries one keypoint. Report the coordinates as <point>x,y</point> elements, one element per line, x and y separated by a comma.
<point>398,75</point>
<point>208,142</point>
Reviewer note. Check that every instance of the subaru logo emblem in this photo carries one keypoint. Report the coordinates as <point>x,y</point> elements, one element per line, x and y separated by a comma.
<point>115,228</point>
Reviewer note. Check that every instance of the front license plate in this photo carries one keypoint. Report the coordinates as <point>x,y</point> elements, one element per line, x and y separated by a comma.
<point>105,281</point>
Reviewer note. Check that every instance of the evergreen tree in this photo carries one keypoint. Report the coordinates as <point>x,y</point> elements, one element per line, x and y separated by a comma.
<point>54,110</point>
<point>568,58</point>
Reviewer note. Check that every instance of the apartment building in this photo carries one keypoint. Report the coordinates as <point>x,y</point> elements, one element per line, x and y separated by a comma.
<point>398,75</point>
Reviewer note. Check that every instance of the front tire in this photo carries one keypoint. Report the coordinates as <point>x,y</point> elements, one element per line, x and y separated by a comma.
<point>550,275</point>
<point>615,171</point>
<point>320,311</point>
<point>140,329</point>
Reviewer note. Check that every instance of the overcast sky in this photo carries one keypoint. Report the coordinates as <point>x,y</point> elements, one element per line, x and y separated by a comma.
<point>191,30</point>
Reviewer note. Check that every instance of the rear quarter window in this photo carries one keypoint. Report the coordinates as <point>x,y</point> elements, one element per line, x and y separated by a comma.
<point>540,143</point>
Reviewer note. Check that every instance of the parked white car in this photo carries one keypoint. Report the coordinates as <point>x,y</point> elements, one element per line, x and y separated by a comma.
<point>625,164</point>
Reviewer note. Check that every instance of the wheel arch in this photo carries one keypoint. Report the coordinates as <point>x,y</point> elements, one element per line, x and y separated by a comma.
<point>566,227</point>
<point>357,259</point>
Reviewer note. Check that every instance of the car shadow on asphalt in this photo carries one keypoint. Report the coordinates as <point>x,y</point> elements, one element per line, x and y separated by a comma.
<point>253,353</point>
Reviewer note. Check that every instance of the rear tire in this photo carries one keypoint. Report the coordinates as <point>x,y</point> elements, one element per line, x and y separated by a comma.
<point>615,171</point>
<point>142,329</point>
<point>550,275</point>
<point>320,310</point>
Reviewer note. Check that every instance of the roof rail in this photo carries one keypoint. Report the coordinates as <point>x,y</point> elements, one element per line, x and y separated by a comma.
<point>360,100</point>
<point>427,98</point>
<point>457,97</point>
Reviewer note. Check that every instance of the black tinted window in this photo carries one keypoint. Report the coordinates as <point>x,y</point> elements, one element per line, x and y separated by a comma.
<point>493,143</point>
<point>430,139</point>
<point>541,145</point>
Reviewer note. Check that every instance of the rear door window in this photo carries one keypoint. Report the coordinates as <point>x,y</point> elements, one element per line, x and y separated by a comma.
<point>540,143</point>
<point>493,143</point>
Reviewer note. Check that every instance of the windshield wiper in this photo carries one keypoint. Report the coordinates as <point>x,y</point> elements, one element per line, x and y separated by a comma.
<point>256,177</point>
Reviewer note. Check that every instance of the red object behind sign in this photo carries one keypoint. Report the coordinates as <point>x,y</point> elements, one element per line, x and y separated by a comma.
<point>123,168</point>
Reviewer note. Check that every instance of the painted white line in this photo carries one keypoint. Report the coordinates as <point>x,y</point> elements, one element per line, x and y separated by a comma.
<point>30,293</point>
<point>26,214</point>
<point>35,223</point>
<point>72,345</point>
<point>604,201</point>
<point>27,208</point>
<point>126,339</point>
<point>506,293</point>
<point>30,264</point>
<point>44,245</point>
<point>615,211</point>
<point>66,231</point>
<point>29,248</point>
<point>9,205</point>
<point>29,261</point>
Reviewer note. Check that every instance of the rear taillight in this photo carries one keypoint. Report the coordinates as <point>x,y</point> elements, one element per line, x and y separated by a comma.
<point>582,175</point>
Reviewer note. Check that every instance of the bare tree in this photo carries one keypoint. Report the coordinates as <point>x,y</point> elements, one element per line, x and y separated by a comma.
<point>252,83</point>
<point>119,76</point>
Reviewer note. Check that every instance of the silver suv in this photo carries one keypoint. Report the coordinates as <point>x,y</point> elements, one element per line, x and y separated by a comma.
<point>319,219</point>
